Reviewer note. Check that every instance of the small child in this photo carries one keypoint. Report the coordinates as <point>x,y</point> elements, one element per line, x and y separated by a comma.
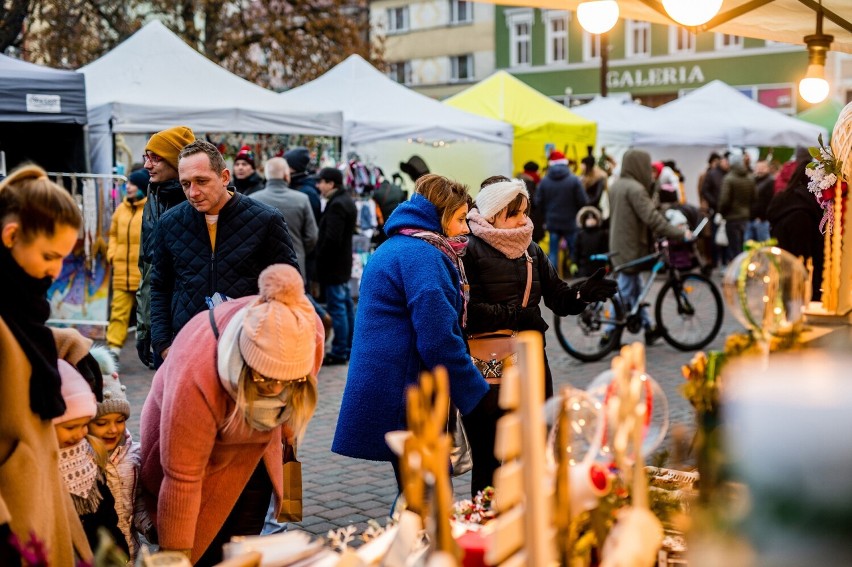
<point>79,460</point>
<point>592,238</point>
<point>123,460</point>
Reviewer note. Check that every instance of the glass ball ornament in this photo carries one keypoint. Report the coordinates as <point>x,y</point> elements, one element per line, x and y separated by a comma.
<point>656,417</point>
<point>586,422</point>
<point>767,290</point>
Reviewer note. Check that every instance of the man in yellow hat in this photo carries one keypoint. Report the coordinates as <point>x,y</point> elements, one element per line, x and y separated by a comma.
<point>164,192</point>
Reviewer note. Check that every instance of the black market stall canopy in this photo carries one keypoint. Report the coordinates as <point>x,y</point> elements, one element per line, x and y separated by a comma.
<point>52,104</point>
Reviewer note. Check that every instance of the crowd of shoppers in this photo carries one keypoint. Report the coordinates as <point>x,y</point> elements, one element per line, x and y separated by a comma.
<point>221,268</point>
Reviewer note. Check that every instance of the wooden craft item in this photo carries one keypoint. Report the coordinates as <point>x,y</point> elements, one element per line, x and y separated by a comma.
<point>508,486</point>
<point>507,441</point>
<point>507,536</point>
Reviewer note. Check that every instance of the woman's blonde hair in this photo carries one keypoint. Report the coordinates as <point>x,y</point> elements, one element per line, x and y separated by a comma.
<point>447,195</point>
<point>38,204</point>
<point>299,398</point>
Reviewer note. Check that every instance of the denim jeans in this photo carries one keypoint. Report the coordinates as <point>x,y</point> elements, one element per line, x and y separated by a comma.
<point>338,303</point>
<point>757,230</point>
<point>555,239</point>
<point>629,287</point>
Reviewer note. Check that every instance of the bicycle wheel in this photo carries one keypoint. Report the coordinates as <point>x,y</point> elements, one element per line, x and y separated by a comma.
<point>592,334</point>
<point>689,312</point>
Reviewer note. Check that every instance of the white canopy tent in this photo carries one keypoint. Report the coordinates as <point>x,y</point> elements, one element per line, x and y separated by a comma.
<point>386,123</point>
<point>153,81</point>
<point>716,117</point>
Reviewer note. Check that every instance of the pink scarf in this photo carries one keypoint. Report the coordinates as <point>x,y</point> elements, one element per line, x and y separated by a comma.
<point>512,242</point>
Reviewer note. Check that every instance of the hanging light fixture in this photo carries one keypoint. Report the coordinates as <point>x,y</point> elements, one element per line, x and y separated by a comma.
<point>598,16</point>
<point>814,88</point>
<point>692,12</point>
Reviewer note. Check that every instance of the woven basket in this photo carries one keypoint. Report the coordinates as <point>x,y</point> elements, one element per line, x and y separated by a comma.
<point>841,140</point>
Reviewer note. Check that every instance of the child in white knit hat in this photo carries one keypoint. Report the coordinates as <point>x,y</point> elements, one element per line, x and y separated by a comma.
<point>122,460</point>
<point>81,459</point>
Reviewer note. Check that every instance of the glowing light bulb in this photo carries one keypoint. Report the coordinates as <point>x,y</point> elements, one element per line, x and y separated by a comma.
<point>598,16</point>
<point>814,88</point>
<point>692,12</point>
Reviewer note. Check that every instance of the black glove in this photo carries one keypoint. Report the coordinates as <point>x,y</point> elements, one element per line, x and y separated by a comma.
<point>143,347</point>
<point>596,288</point>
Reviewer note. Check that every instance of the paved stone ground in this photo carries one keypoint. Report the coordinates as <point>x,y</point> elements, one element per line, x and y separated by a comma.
<point>340,491</point>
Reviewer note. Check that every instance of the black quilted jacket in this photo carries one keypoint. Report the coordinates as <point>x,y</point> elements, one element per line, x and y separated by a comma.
<point>250,236</point>
<point>497,289</point>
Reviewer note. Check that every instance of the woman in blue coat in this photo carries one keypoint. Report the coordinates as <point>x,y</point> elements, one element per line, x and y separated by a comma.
<point>410,314</point>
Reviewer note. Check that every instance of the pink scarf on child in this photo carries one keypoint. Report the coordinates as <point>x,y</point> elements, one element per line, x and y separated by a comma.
<point>511,242</point>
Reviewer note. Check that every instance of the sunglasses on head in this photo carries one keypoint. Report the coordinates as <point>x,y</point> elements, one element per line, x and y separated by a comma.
<point>259,378</point>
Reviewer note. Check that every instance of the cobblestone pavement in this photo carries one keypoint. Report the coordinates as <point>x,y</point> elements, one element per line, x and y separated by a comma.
<point>340,491</point>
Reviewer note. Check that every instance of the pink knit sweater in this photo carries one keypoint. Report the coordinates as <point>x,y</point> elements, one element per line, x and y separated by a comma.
<point>192,471</point>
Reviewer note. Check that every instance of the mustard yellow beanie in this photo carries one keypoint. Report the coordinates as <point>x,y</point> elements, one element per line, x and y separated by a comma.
<point>168,143</point>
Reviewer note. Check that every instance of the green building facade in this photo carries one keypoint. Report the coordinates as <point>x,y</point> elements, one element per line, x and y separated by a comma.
<point>549,50</point>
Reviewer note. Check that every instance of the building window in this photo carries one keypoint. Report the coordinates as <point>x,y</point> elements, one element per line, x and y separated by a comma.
<point>681,41</point>
<point>727,41</point>
<point>520,38</point>
<point>462,68</point>
<point>461,12</point>
<point>557,36</point>
<point>591,46</point>
<point>400,72</point>
<point>638,40</point>
<point>398,19</point>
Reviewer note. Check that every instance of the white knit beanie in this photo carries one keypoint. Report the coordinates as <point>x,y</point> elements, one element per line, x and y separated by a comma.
<point>279,329</point>
<point>495,197</point>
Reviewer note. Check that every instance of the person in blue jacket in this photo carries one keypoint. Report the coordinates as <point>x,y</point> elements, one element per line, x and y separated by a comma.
<point>410,314</point>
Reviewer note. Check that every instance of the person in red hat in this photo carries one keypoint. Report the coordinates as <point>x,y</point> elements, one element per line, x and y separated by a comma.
<point>560,196</point>
<point>246,178</point>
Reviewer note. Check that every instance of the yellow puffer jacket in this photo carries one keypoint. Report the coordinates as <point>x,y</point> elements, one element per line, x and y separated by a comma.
<point>125,235</point>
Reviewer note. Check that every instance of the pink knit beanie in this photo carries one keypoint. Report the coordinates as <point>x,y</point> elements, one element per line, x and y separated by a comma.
<point>78,396</point>
<point>278,335</point>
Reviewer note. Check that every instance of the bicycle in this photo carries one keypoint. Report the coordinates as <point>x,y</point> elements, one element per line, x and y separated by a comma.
<point>688,310</point>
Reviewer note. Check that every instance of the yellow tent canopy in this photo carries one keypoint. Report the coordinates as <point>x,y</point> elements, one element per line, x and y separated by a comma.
<point>538,119</point>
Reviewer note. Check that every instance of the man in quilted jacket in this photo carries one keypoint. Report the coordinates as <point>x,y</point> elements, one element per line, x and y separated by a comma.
<point>211,247</point>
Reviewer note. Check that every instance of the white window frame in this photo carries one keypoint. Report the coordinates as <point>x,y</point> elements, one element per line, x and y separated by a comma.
<point>631,28</point>
<point>551,36</point>
<point>737,43</point>
<point>454,68</point>
<point>515,19</point>
<point>391,15</point>
<point>591,41</point>
<point>393,72</point>
<point>678,34</point>
<point>454,12</point>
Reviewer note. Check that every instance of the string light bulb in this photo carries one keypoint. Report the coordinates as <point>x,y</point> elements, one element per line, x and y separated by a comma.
<point>692,12</point>
<point>597,16</point>
<point>813,87</point>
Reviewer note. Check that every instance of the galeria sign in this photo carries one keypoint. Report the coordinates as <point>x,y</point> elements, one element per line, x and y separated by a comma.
<point>655,76</point>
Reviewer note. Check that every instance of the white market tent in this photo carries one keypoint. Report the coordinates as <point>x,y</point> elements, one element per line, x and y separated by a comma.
<point>713,118</point>
<point>153,81</point>
<point>386,123</point>
<point>620,120</point>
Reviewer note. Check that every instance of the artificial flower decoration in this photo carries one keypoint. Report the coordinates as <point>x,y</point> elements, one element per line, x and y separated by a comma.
<point>825,175</point>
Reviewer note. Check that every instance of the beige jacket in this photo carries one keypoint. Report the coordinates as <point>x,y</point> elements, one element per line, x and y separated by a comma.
<point>33,498</point>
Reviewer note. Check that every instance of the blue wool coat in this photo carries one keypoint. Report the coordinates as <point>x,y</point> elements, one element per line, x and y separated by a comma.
<point>407,321</point>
